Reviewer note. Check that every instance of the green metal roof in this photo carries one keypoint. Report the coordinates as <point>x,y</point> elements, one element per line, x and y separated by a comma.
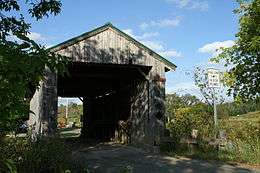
<point>103,28</point>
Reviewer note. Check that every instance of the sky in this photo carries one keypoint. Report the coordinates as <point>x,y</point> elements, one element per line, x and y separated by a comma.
<point>186,32</point>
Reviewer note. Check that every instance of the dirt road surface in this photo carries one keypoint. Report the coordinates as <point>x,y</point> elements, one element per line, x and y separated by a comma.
<point>114,158</point>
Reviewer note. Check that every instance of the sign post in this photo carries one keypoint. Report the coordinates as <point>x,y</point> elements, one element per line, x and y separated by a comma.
<point>67,111</point>
<point>214,82</point>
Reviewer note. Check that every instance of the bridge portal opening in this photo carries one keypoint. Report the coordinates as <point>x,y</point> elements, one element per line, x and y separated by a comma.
<point>69,116</point>
<point>108,92</point>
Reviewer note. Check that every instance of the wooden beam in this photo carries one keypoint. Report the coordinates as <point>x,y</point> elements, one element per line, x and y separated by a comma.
<point>81,99</point>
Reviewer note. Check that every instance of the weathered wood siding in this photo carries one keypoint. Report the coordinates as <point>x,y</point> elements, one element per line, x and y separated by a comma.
<point>110,46</point>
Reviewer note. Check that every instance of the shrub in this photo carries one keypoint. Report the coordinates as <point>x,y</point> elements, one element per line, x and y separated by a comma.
<point>46,155</point>
<point>185,119</point>
<point>7,166</point>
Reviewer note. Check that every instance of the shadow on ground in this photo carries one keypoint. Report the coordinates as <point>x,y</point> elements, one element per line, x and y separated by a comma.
<point>115,158</point>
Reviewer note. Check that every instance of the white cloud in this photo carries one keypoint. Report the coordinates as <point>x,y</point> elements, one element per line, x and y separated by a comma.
<point>154,45</point>
<point>36,36</point>
<point>33,36</point>
<point>147,35</point>
<point>140,37</point>
<point>213,48</point>
<point>129,32</point>
<point>166,22</point>
<point>170,53</point>
<point>161,23</point>
<point>202,5</point>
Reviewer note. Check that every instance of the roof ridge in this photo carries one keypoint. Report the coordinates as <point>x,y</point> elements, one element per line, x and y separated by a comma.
<point>103,28</point>
<point>144,46</point>
<point>77,38</point>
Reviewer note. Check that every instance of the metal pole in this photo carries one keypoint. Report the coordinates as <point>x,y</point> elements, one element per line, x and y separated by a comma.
<point>215,110</point>
<point>215,113</point>
<point>67,110</point>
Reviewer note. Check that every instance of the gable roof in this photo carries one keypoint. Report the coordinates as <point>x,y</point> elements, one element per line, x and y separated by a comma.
<point>98,30</point>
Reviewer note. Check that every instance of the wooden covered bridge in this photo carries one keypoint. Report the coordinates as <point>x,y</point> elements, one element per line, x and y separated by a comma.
<point>121,81</point>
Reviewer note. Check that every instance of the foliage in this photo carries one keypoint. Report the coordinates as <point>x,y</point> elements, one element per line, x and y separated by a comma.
<point>243,131</point>
<point>243,144</point>
<point>41,156</point>
<point>243,127</point>
<point>174,101</point>
<point>75,111</point>
<point>243,153</point>
<point>237,108</point>
<point>7,165</point>
<point>185,119</point>
<point>185,113</point>
<point>243,58</point>
<point>22,60</point>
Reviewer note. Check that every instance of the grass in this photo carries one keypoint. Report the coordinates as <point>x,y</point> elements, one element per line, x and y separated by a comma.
<point>242,127</point>
<point>244,132</point>
<point>253,117</point>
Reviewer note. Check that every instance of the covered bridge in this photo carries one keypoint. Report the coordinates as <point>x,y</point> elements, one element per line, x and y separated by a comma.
<point>121,81</point>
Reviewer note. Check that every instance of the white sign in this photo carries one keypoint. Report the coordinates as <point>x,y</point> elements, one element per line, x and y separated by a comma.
<point>213,78</point>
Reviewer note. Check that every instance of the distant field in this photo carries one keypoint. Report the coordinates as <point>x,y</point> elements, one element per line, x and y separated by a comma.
<point>251,117</point>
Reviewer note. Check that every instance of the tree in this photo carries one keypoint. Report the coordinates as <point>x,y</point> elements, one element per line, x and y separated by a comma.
<point>22,61</point>
<point>174,102</point>
<point>243,59</point>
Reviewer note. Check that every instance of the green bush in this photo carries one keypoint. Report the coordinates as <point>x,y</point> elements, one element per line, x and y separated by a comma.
<point>184,120</point>
<point>46,155</point>
<point>7,166</point>
<point>46,151</point>
<point>243,132</point>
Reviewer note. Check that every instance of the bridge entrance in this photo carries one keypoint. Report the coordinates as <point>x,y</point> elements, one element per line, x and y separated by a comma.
<point>108,93</point>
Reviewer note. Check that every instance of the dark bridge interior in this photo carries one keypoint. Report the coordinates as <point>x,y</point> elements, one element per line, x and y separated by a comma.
<point>107,90</point>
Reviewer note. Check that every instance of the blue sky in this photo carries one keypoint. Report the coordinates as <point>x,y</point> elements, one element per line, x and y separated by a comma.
<point>186,32</point>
